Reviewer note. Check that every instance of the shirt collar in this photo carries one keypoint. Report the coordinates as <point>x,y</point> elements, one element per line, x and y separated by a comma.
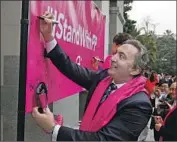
<point>118,85</point>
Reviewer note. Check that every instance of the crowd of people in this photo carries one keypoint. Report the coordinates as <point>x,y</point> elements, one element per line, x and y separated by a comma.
<point>162,88</point>
<point>122,95</point>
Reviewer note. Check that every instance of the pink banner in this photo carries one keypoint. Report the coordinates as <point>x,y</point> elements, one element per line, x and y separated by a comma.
<point>80,33</point>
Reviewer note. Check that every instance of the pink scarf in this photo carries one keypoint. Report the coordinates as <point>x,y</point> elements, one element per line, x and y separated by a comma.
<point>168,114</point>
<point>93,122</point>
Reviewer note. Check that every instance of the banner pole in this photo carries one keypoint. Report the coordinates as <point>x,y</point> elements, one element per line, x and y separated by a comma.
<point>22,70</point>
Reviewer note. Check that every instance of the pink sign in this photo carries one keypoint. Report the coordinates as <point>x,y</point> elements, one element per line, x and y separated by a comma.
<point>80,33</point>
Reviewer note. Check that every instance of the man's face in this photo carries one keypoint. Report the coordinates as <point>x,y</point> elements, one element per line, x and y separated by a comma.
<point>164,87</point>
<point>123,61</point>
<point>173,91</point>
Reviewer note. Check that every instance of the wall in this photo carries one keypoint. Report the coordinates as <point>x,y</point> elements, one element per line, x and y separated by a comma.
<point>10,28</point>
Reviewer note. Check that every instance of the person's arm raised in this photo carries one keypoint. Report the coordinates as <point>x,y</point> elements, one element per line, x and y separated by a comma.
<point>80,75</point>
<point>76,73</point>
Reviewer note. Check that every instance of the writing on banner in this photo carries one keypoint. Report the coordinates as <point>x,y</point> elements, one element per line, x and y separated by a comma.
<point>79,36</point>
<point>80,33</point>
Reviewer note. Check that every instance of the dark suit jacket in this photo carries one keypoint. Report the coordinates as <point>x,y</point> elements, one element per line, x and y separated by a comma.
<point>169,130</point>
<point>132,114</point>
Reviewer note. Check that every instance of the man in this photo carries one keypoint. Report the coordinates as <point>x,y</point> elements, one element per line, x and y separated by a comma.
<point>172,96</point>
<point>115,115</point>
<point>164,92</point>
<point>117,42</point>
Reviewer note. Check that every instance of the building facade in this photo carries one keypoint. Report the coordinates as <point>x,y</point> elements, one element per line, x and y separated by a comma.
<point>10,52</point>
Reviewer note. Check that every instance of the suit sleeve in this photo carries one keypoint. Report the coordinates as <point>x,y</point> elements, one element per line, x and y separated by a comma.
<point>126,125</point>
<point>163,131</point>
<point>80,75</point>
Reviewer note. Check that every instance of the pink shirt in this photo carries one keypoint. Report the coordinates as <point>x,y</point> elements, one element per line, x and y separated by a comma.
<point>107,62</point>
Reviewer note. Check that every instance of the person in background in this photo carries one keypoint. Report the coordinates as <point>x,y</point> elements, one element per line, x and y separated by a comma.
<point>163,106</point>
<point>172,96</point>
<point>165,79</point>
<point>167,127</point>
<point>155,102</point>
<point>164,90</point>
<point>151,82</point>
<point>174,78</point>
<point>117,42</point>
<point>150,86</point>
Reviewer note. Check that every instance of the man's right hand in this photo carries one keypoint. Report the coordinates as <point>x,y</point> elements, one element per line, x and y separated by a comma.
<point>46,26</point>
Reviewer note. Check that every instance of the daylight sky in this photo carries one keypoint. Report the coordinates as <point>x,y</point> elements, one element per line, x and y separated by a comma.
<point>160,13</point>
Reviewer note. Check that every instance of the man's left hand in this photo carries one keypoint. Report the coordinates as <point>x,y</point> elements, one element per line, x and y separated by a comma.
<point>45,120</point>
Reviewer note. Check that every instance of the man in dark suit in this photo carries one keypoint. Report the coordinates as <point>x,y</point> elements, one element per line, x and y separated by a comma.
<point>117,106</point>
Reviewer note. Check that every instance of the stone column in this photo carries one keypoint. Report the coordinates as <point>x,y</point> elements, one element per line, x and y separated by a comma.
<point>116,20</point>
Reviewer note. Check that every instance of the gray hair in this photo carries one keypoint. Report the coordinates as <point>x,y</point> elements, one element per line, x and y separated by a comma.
<point>142,58</point>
